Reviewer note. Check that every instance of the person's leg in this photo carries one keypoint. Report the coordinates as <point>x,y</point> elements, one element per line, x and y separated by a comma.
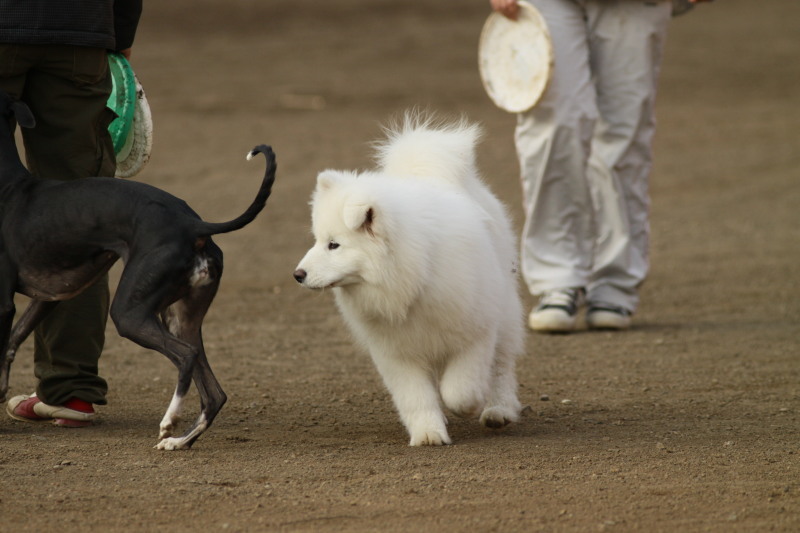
<point>626,43</point>
<point>67,91</point>
<point>553,143</point>
<point>14,64</point>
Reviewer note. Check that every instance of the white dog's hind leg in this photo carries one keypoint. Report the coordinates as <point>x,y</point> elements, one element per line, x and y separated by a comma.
<point>417,402</point>
<point>502,407</point>
<point>465,382</point>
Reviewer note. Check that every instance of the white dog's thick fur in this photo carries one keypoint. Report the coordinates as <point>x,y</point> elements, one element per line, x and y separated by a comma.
<point>422,260</point>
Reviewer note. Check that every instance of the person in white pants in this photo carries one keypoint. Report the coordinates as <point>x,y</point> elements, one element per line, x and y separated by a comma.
<point>585,154</point>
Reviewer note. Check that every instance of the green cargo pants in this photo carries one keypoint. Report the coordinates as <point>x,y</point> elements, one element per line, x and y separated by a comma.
<point>67,88</point>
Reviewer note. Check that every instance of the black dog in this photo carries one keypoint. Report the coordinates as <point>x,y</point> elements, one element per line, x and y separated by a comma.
<point>59,237</point>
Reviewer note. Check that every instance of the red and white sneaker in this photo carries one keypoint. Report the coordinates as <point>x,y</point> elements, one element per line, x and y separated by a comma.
<point>74,413</point>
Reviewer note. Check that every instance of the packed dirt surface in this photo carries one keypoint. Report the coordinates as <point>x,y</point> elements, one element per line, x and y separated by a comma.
<point>690,421</point>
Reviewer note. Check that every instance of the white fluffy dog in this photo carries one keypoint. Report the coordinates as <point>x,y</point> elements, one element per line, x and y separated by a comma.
<point>422,261</point>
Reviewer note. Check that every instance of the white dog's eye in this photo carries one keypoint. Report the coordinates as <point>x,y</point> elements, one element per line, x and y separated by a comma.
<point>333,245</point>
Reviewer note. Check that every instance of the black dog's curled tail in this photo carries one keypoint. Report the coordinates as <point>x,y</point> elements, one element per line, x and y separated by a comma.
<point>260,149</point>
<point>213,228</point>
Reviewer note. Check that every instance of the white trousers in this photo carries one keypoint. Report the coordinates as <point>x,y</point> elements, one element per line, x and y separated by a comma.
<point>585,149</point>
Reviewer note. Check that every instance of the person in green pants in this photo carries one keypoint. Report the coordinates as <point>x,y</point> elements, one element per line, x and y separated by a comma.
<point>54,57</point>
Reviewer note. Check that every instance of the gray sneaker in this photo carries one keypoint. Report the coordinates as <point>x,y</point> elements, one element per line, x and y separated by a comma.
<point>557,311</point>
<point>601,315</point>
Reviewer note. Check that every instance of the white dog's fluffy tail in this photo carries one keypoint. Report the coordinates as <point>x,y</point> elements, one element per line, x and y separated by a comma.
<point>422,146</point>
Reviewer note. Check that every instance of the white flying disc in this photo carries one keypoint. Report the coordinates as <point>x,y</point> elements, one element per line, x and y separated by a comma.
<point>515,58</point>
<point>132,131</point>
<point>136,152</point>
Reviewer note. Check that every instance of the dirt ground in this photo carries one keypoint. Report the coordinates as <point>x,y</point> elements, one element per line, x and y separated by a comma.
<point>688,422</point>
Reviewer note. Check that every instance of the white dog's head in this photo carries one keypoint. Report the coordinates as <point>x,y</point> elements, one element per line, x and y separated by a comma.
<point>345,232</point>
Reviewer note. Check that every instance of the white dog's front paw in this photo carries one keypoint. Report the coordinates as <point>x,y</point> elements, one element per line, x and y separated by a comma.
<point>428,429</point>
<point>172,443</point>
<point>498,416</point>
<point>430,438</point>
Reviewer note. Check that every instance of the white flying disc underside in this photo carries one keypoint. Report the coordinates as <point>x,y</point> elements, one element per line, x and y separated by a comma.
<point>136,152</point>
<point>515,58</point>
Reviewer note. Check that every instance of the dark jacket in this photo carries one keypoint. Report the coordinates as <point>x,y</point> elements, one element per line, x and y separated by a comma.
<point>109,24</point>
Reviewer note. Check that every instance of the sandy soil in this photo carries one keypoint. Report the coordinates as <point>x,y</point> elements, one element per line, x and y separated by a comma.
<point>688,422</point>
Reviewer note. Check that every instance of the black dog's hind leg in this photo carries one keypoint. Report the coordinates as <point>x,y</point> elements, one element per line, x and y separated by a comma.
<point>143,290</point>
<point>145,329</point>
<point>184,319</point>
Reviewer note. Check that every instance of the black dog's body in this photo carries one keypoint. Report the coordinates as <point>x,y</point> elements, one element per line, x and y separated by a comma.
<point>59,237</point>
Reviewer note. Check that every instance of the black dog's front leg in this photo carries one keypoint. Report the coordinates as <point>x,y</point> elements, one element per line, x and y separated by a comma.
<point>8,277</point>
<point>7,311</point>
<point>31,318</point>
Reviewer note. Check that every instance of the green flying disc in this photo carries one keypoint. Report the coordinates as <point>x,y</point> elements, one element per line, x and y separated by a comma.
<point>132,130</point>
<point>122,100</point>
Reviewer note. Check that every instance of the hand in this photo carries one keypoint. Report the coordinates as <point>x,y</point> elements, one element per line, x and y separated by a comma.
<point>508,8</point>
<point>126,53</point>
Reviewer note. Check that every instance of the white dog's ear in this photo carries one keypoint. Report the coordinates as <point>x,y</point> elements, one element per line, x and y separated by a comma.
<point>359,216</point>
<point>327,179</point>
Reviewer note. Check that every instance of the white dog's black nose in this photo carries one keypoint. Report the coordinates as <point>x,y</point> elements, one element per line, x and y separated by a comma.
<point>300,275</point>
